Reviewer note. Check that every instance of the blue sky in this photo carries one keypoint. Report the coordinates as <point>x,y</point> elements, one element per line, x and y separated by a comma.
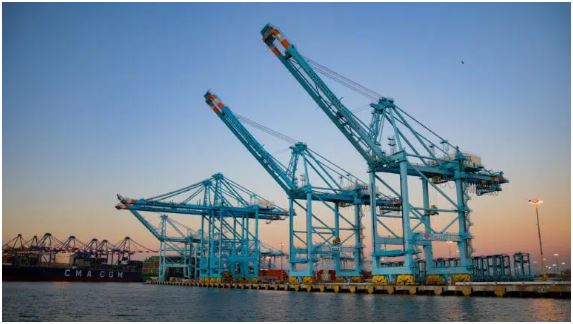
<point>107,98</point>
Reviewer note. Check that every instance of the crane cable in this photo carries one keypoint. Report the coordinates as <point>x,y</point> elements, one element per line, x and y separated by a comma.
<point>353,85</point>
<point>326,163</point>
<point>343,80</point>
<point>267,130</point>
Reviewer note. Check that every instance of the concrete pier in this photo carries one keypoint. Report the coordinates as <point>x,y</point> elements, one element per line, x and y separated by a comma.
<point>547,289</point>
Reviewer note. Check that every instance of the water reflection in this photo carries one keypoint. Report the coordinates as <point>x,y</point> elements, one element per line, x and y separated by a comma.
<point>138,302</point>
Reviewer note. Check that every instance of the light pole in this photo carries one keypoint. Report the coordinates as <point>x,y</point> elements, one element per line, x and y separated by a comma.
<point>449,248</point>
<point>556,255</point>
<point>282,256</point>
<point>536,203</point>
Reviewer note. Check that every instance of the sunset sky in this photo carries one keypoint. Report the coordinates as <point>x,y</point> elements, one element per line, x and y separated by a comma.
<point>103,98</point>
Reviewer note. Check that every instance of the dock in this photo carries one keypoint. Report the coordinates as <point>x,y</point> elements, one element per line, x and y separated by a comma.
<point>547,289</point>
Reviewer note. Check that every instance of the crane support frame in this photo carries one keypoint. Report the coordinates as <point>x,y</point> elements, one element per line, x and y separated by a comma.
<point>332,237</point>
<point>227,245</point>
<point>411,154</point>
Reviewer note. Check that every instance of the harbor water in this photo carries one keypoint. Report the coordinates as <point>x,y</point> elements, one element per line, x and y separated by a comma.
<point>61,301</point>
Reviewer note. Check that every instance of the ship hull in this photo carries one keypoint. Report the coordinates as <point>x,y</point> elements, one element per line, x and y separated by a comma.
<point>83,274</point>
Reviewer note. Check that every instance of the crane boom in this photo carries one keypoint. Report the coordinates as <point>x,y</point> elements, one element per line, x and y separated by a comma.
<point>415,152</point>
<point>365,137</point>
<point>159,236</point>
<point>321,184</point>
<point>286,176</point>
<point>273,167</point>
<point>341,116</point>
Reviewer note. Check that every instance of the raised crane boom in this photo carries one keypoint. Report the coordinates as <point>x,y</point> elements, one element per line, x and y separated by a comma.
<point>286,176</point>
<point>339,236</point>
<point>273,167</point>
<point>365,138</point>
<point>414,151</point>
<point>341,116</point>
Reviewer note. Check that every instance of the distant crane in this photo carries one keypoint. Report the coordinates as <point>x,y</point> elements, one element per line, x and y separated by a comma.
<point>44,250</point>
<point>412,156</point>
<point>72,244</point>
<point>15,244</point>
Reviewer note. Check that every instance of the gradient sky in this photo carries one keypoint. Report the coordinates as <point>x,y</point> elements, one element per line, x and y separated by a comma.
<point>102,99</point>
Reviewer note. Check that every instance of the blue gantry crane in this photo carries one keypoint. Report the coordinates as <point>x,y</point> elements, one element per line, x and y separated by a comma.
<point>177,243</point>
<point>313,183</point>
<point>412,152</point>
<point>270,255</point>
<point>176,248</point>
<point>227,245</point>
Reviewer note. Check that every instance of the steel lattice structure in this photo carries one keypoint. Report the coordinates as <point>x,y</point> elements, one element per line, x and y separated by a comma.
<point>414,152</point>
<point>227,244</point>
<point>312,182</point>
<point>48,247</point>
<point>177,242</point>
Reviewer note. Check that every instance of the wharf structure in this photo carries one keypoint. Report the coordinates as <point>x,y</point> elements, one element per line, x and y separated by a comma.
<point>553,289</point>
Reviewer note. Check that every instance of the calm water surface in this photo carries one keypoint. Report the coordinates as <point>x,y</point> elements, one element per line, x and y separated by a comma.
<point>52,301</point>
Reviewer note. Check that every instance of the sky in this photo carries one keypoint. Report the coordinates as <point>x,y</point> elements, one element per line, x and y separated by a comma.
<point>100,99</point>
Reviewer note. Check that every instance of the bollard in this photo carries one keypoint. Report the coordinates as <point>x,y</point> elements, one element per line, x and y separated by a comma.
<point>500,291</point>
<point>467,291</point>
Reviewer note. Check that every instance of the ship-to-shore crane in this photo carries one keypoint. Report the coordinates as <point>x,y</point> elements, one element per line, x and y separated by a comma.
<point>312,184</point>
<point>227,244</point>
<point>39,252</point>
<point>177,243</point>
<point>414,151</point>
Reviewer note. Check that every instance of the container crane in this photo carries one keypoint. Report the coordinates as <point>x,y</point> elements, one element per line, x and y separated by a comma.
<point>177,248</point>
<point>413,150</point>
<point>326,237</point>
<point>49,246</point>
<point>125,248</point>
<point>15,244</point>
<point>72,244</point>
<point>228,242</point>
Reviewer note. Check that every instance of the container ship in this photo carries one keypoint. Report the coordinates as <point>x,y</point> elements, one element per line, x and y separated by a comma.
<point>49,259</point>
